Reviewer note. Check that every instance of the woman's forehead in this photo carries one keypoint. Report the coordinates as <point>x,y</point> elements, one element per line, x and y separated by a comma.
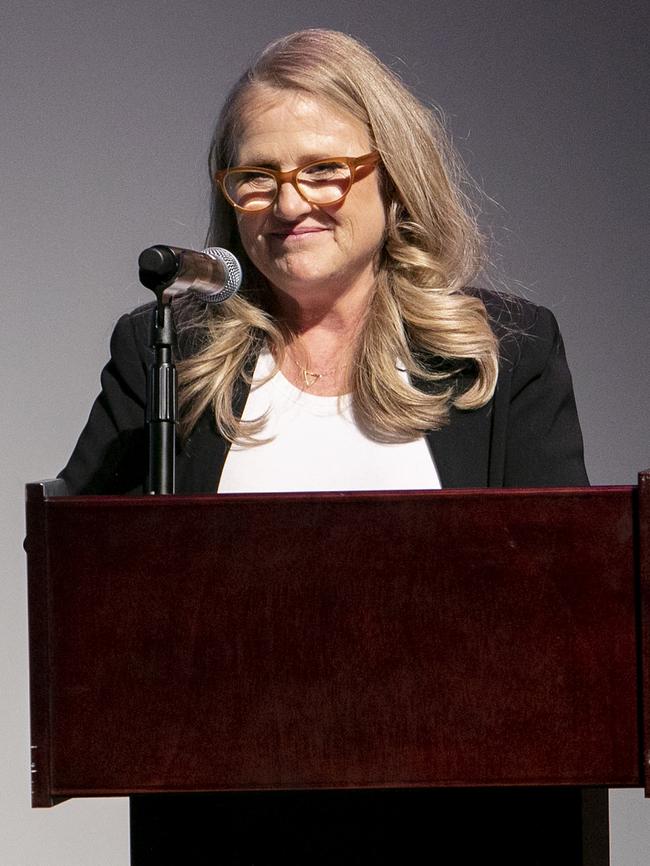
<point>272,117</point>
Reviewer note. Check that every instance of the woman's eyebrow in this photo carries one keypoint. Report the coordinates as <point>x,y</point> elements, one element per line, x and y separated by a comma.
<point>305,159</point>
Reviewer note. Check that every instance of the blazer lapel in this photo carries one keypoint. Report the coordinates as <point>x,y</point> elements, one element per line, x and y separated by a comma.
<point>461,449</point>
<point>200,462</point>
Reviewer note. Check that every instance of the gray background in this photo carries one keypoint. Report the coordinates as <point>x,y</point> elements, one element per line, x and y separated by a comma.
<point>105,120</point>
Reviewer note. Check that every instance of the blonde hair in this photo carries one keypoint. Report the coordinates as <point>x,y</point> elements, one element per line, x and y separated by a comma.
<point>431,254</point>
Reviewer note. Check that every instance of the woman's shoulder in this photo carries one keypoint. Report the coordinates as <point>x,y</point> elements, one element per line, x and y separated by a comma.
<point>134,329</point>
<point>137,321</point>
<point>510,313</point>
<point>525,330</point>
<point>130,344</point>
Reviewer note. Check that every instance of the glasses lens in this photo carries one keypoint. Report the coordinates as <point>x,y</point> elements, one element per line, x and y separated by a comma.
<point>251,190</point>
<point>324,182</point>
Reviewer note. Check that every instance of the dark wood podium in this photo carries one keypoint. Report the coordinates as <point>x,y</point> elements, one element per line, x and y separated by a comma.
<point>338,641</point>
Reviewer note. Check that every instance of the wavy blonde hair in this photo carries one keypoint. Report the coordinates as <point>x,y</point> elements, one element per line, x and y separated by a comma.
<point>432,252</point>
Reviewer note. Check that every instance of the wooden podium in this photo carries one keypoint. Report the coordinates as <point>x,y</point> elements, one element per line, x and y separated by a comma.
<point>339,641</point>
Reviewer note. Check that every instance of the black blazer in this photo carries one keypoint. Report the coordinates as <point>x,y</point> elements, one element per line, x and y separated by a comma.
<point>528,435</point>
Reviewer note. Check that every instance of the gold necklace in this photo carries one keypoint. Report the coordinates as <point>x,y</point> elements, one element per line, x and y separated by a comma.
<point>310,377</point>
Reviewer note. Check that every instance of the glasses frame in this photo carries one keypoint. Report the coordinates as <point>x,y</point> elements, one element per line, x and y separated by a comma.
<point>291,176</point>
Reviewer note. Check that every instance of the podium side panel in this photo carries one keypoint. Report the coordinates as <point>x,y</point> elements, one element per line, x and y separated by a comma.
<point>36,547</point>
<point>644,572</point>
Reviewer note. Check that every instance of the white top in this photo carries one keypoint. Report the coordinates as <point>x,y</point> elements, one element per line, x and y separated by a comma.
<point>315,445</point>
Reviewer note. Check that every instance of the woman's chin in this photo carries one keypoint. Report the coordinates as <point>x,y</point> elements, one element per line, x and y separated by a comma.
<point>300,272</point>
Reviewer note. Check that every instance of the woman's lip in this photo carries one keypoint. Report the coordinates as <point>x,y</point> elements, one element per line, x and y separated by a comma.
<point>297,232</point>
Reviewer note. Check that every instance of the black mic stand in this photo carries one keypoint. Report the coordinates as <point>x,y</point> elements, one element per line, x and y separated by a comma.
<point>161,404</point>
<point>156,273</point>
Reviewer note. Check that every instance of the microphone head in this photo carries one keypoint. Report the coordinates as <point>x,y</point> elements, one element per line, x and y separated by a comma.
<point>232,277</point>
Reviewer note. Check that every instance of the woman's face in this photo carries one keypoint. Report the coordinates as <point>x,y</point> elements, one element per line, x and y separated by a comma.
<point>306,250</point>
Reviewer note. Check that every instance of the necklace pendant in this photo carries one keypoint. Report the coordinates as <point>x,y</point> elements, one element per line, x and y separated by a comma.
<point>310,378</point>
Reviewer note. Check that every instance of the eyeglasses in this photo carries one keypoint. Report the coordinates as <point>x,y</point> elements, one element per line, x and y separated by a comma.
<point>324,182</point>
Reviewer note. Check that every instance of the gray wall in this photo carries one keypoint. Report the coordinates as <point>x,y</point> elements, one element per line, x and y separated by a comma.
<point>106,114</point>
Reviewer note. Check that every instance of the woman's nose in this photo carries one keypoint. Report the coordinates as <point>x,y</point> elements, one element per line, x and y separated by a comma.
<point>289,205</point>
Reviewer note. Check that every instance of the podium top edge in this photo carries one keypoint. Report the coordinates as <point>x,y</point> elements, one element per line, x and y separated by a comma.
<point>55,489</point>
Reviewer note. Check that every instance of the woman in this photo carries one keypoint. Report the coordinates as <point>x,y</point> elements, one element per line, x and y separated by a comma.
<point>355,356</point>
<point>355,287</point>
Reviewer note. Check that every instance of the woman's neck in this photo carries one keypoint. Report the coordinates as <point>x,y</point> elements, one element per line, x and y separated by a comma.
<point>322,339</point>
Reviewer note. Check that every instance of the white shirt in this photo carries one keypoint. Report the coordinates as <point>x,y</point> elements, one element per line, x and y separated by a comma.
<point>315,445</point>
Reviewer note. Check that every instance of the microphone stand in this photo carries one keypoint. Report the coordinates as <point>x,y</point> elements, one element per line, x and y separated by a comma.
<point>161,404</point>
<point>160,413</point>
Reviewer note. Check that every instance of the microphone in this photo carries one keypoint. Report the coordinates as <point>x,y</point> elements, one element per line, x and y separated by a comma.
<point>213,275</point>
